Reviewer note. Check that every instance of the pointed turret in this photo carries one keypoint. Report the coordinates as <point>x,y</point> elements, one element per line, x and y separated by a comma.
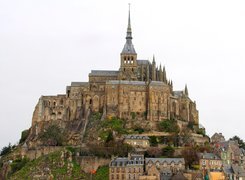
<point>153,61</point>
<point>157,74</point>
<point>160,73</point>
<point>186,91</point>
<point>164,75</point>
<point>153,69</point>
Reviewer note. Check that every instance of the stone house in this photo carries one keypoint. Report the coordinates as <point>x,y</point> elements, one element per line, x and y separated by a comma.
<point>137,141</point>
<point>164,168</point>
<point>234,171</point>
<point>229,152</point>
<point>209,162</point>
<point>217,137</point>
<point>126,168</point>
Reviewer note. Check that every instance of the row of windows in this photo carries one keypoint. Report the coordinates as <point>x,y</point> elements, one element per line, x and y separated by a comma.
<point>164,164</point>
<point>117,176</point>
<point>48,103</point>
<point>130,176</point>
<point>212,162</point>
<point>129,58</point>
<point>130,170</point>
<point>128,62</point>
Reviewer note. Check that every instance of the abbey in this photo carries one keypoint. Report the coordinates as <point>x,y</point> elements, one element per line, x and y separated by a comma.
<point>138,91</point>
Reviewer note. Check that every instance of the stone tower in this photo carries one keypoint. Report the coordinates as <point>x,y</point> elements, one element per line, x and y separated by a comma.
<point>128,68</point>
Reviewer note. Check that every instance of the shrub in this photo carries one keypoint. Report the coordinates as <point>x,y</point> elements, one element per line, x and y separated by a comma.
<point>6,150</point>
<point>24,135</point>
<point>139,130</point>
<point>168,126</point>
<point>18,164</point>
<point>153,152</point>
<point>153,141</point>
<point>133,115</point>
<point>53,136</point>
<point>114,124</point>
<point>109,137</point>
<point>168,151</point>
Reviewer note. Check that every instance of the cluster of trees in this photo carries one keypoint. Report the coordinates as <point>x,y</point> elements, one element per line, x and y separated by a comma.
<point>168,125</point>
<point>157,152</point>
<point>108,150</point>
<point>53,136</point>
<point>241,143</point>
<point>6,150</point>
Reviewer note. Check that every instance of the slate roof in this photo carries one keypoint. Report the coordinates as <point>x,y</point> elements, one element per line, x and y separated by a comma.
<point>178,93</point>
<point>119,162</point>
<point>227,169</point>
<point>126,82</point>
<point>208,156</point>
<point>167,160</point>
<point>136,137</point>
<point>77,84</point>
<point>232,144</point>
<point>122,162</point>
<point>160,83</point>
<point>143,62</point>
<point>179,176</point>
<point>128,48</point>
<point>238,170</point>
<point>103,73</point>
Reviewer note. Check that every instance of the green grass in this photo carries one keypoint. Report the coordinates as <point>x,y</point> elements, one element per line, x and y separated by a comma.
<point>102,173</point>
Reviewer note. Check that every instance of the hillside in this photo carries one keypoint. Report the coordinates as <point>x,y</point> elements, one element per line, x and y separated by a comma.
<point>57,165</point>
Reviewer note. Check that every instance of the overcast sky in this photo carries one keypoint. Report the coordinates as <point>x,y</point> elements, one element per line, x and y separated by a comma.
<point>44,45</point>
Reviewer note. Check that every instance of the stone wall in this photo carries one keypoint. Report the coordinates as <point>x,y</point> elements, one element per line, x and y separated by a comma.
<point>36,153</point>
<point>89,163</point>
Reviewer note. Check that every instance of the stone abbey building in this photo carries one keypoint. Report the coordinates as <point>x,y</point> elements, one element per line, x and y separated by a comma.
<point>137,91</point>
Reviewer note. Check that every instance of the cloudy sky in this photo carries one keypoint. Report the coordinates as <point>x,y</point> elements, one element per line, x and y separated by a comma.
<point>44,45</point>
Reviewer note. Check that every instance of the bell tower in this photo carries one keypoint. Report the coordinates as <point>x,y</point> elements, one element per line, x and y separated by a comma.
<point>128,68</point>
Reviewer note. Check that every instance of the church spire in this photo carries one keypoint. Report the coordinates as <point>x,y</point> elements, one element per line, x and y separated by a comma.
<point>129,47</point>
<point>129,30</point>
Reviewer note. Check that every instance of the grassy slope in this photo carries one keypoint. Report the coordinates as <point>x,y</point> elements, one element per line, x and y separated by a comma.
<point>51,161</point>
